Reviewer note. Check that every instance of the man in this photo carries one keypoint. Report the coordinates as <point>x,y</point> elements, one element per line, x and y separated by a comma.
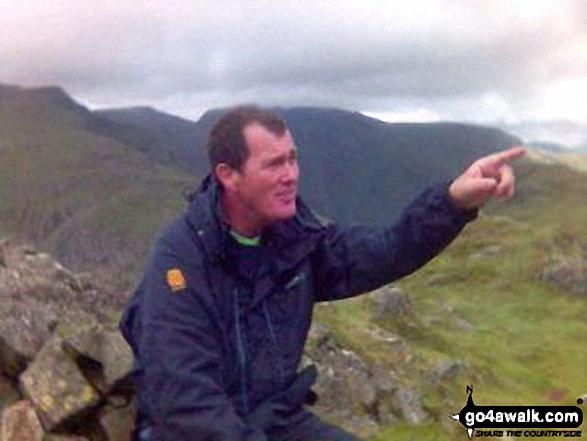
<point>219,321</point>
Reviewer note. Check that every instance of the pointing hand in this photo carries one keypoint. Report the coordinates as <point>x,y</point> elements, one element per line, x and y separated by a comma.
<point>488,177</point>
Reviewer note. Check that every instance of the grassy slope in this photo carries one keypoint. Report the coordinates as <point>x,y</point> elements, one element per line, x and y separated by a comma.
<point>83,197</point>
<point>528,343</point>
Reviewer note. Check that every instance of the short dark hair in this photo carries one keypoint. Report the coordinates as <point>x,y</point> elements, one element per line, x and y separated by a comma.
<point>226,141</point>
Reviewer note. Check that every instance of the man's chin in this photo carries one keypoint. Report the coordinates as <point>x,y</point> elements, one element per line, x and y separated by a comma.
<point>287,214</point>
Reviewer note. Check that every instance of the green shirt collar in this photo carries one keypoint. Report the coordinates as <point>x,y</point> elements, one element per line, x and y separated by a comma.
<point>246,241</point>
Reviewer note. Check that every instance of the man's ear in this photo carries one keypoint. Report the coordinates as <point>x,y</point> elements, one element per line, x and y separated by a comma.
<point>227,176</point>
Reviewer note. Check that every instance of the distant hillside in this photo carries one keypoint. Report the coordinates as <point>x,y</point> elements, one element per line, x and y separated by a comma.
<point>355,169</point>
<point>168,139</point>
<point>71,189</point>
<point>363,170</point>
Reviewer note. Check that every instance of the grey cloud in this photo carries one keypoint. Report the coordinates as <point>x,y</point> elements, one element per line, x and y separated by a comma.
<point>353,54</point>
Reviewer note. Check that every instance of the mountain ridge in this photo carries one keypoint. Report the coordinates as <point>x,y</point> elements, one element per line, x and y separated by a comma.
<point>93,187</point>
<point>344,152</point>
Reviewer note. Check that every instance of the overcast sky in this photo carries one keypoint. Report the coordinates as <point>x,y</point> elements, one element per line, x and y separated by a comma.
<point>478,61</point>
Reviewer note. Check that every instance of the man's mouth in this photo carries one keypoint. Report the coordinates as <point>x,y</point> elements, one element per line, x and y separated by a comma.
<point>287,195</point>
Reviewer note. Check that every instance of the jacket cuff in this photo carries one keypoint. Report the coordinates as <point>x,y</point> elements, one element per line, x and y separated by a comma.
<point>458,214</point>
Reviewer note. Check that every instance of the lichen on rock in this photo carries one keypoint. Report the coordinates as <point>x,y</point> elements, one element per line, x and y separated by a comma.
<point>56,387</point>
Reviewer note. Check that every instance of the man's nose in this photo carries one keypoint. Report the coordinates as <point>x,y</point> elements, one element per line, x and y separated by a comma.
<point>291,172</point>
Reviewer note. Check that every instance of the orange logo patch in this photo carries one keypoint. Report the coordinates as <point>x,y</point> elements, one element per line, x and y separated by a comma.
<point>175,279</point>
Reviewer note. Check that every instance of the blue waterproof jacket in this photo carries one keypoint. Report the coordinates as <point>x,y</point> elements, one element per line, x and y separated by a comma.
<point>217,357</point>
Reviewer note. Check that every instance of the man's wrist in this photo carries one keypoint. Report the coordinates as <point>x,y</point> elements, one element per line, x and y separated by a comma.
<point>470,213</point>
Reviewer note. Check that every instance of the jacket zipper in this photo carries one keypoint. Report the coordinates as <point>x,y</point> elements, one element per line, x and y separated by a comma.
<point>275,344</point>
<point>242,357</point>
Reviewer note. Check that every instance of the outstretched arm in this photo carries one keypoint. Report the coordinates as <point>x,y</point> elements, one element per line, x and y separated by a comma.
<point>356,260</point>
<point>359,259</point>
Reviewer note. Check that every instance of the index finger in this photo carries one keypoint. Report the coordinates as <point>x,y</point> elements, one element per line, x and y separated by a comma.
<point>506,156</point>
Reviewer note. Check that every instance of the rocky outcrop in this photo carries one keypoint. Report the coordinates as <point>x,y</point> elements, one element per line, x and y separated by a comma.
<point>22,334</point>
<point>60,369</point>
<point>390,302</point>
<point>117,421</point>
<point>409,403</point>
<point>448,370</point>
<point>354,394</point>
<point>33,281</point>
<point>104,356</point>
<point>569,274</point>
<point>67,399</point>
<point>565,265</point>
<point>57,387</point>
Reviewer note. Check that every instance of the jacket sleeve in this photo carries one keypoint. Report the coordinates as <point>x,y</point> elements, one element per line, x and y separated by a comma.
<point>180,352</point>
<point>351,261</point>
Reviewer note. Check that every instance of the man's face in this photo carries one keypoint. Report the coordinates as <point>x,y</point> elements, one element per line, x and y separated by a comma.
<point>267,183</point>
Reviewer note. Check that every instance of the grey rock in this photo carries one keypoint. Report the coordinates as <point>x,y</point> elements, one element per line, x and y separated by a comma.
<point>319,341</point>
<point>320,345</point>
<point>19,422</point>
<point>408,402</point>
<point>360,381</point>
<point>431,321</point>
<point>22,334</point>
<point>570,275</point>
<point>118,422</point>
<point>348,388</point>
<point>385,380</point>
<point>463,325</point>
<point>103,356</point>
<point>56,387</point>
<point>387,413</point>
<point>32,278</point>
<point>362,425</point>
<point>566,265</point>
<point>85,281</point>
<point>393,342</point>
<point>386,383</point>
<point>391,303</point>
<point>448,370</point>
<point>451,318</point>
<point>344,381</point>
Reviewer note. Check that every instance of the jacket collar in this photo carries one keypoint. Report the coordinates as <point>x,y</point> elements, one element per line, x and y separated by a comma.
<point>204,215</point>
